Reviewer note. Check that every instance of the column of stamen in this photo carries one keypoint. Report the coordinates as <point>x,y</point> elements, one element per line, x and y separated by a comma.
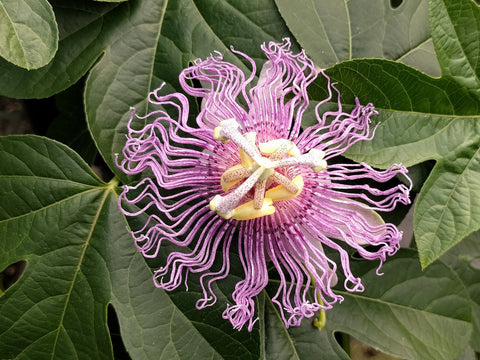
<point>280,148</point>
<point>224,205</point>
<point>257,172</point>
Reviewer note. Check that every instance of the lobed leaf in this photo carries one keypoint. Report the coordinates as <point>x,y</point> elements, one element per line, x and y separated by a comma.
<point>427,119</point>
<point>65,223</point>
<point>335,31</point>
<point>407,312</point>
<point>457,40</point>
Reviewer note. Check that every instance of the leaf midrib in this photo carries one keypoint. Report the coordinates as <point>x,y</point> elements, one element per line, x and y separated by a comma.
<point>34,212</point>
<point>460,176</point>
<point>78,268</point>
<point>86,24</point>
<point>417,47</point>
<point>46,178</point>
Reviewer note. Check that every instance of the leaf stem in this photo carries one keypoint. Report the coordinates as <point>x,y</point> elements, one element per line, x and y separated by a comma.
<point>321,321</point>
<point>113,183</point>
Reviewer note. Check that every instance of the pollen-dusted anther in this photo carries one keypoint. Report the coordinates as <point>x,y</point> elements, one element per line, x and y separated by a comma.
<point>234,175</point>
<point>317,160</point>
<point>259,193</point>
<point>258,173</point>
<point>224,128</point>
<point>281,193</point>
<point>215,204</point>
<point>288,184</point>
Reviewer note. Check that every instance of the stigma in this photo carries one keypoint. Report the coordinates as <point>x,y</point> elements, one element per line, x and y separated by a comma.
<point>257,181</point>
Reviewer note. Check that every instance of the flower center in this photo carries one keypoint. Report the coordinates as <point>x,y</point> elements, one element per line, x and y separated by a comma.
<point>258,172</point>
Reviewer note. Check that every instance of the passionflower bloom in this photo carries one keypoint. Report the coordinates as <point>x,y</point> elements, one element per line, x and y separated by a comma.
<point>247,172</point>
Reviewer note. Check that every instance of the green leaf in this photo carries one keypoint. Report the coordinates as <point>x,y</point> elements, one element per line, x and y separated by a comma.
<point>407,312</point>
<point>393,86</point>
<point>455,28</point>
<point>448,208</point>
<point>65,223</point>
<point>302,342</point>
<point>422,119</point>
<point>154,42</point>
<point>55,204</point>
<point>70,126</point>
<point>152,326</point>
<point>67,226</point>
<point>82,31</point>
<point>464,258</point>
<point>29,32</point>
<point>335,31</point>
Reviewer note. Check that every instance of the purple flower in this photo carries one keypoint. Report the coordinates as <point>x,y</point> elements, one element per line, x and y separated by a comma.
<point>246,169</point>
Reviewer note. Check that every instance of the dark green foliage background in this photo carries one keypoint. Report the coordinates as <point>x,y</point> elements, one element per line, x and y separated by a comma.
<point>418,63</point>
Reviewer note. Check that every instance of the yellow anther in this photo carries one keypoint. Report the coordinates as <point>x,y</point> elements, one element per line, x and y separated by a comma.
<point>294,151</point>
<point>275,145</point>
<point>214,202</point>
<point>281,193</point>
<point>271,146</point>
<point>247,211</point>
